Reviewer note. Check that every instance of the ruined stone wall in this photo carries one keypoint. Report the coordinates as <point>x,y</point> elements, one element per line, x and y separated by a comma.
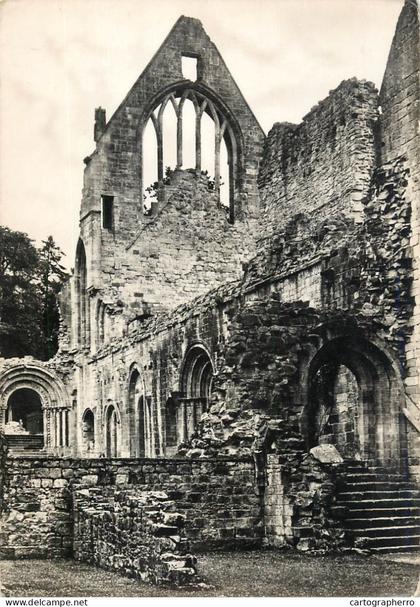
<point>217,496</point>
<point>333,264</point>
<point>186,245</point>
<point>186,249</point>
<point>299,509</point>
<point>3,456</point>
<point>324,164</point>
<point>137,534</point>
<point>400,135</point>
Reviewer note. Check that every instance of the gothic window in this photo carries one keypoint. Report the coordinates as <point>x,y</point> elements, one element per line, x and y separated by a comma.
<point>88,431</point>
<point>112,432</point>
<point>141,422</point>
<point>196,382</point>
<point>82,299</point>
<point>188,131</point>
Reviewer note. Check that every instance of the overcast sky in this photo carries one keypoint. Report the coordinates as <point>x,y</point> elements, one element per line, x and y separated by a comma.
<point>59,59</point>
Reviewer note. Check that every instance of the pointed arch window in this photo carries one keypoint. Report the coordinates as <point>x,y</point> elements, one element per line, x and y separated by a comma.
<point>187,130</point>
<point>82,298</point>
<point>140,417</point>
<point>183,416</point>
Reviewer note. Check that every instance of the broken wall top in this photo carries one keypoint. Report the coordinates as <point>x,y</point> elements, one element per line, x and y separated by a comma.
<point>400,91</point>
<point>115,166</point>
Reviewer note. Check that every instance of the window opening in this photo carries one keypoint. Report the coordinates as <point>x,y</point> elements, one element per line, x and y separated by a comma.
<point>83,310</point>
<point>189,67</point>
<point>108,212</point>
<point>188,135</point>
<point>150,162</point>
<point>186,131</point>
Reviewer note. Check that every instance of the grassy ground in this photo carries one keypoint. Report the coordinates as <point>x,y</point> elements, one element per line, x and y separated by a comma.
<point>256,573</point>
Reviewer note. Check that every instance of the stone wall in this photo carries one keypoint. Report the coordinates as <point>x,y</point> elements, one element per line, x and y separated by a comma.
<point>218,498</point>
<point>188,247</point>
<point>324,164</point>
<point>400,135</point>
<point>136,534</point>
<point>3,457</point>
<point>189,242</point>
<point>299,509</point>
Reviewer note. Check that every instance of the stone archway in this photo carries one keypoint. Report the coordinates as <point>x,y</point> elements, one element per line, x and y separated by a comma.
<point>24,411</point>
<point>195,388</point>
<point>140,418</point>
<point>112,432</point>
<point>354,401</point>
<point>26,390</point>
<point>88,432</point>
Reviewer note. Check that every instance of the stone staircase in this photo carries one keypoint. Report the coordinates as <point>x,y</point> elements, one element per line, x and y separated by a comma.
<point>381,508</point>
<point>24,444</point>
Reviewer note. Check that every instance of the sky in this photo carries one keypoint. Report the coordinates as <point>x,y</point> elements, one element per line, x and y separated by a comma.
<point>59,59</point>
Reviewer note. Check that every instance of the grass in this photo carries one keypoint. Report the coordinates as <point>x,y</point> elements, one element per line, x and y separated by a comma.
<point>254,573</point>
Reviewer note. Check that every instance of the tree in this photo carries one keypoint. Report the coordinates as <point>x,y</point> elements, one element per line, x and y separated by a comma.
<point>29,283</point>
<point>52,277</point>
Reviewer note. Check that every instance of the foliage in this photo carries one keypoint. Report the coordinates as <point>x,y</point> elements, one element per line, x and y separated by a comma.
<point>153,189</point>
<point>52,277</point>
<point>30,280</point>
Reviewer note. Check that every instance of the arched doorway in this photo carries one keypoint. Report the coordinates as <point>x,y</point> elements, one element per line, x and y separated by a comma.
<point>24,407</point>
<point>88,432</point>
<point>335,397</point>
<point>139,413</point>
<point>353,402</point>
<point>196,382</point>
<point>112,432</point>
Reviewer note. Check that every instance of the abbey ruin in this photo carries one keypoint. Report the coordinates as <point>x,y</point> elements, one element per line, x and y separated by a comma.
<point>239,356</point>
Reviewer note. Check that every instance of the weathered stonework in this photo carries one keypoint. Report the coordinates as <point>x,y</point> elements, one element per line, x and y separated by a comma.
<point>324,164</point>
<point>206,349</point>
<point>217,497</point>
<point>139,535</point>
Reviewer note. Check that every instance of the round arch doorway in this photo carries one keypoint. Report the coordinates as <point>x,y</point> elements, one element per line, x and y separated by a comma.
<point>24,407</point>
<point>354,402</point>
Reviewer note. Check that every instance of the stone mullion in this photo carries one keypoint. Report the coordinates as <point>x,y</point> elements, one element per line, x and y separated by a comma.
<point>184,421</point>
<point>198,141</point>
<point>54,427</point>
<point>179,136</point>
<point>157,123</point>
<point>47,430</point>
<point>60,428</point>
<point>217,141</point>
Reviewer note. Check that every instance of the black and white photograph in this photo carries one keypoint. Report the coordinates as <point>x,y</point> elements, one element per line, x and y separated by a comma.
<point>210,299</point>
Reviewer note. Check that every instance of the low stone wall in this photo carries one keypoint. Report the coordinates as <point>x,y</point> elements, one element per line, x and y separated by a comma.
<point>136,534</point>
<point>3,455</point>
<point>299,505</point>
<point>218,496</point>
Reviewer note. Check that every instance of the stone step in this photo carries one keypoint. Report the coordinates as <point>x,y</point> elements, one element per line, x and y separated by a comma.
<point>354,495</point>
<point>382,532</point>
<point>385,542</point>
<point>382,508</point>
<point>34,453</point>
<point>380,484</point>
<point>391,549</point>
<point>22,444</point>
<point>382,522</point>
<point>374,501</point>
<point>382,512</point>
<point>24,438</point>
